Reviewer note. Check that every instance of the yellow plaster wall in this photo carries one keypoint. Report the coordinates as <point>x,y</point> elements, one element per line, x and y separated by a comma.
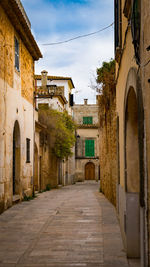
<point>127,62</point>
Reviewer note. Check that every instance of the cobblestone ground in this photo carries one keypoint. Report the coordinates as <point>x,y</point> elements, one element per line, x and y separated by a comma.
<point>71,226</point>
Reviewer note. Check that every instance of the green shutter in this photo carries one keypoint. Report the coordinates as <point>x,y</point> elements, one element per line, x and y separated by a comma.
<point>87,120</point>
<point>90,120</point>
<point>89,148</point>
<point>84,120</point>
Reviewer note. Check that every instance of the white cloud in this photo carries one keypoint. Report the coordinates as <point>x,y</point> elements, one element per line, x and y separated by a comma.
<point>77,59</point>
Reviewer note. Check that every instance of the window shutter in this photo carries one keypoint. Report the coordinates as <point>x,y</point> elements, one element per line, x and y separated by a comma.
<point>71,100</point>
<point>87,120</point>
<point>89,148</point>
<point>84,120</point>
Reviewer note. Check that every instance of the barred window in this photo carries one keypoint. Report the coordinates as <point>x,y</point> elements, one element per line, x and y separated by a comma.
<point>16,54</point>
<point>27,150</point>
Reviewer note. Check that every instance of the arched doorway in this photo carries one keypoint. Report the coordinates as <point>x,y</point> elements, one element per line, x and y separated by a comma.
<point>36,168</point>
<point>90,171</point>
<point>132,176</point>
<point>16,159</point>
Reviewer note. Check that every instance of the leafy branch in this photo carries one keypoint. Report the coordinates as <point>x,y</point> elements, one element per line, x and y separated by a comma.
<point>60,131</point>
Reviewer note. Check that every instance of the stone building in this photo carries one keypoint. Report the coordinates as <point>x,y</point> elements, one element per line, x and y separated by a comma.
<point>18,51</point>
<point>55,92</point>
<point>87,147</point>
<point>107,142</point>
<point>132,46</point>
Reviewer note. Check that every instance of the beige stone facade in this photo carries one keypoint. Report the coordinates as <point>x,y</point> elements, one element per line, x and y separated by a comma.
<point>18,51</point>
<point>87,166</point>
<point>132,33</point>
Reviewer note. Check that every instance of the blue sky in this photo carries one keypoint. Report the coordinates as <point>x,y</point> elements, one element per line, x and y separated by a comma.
<point>58,20</point>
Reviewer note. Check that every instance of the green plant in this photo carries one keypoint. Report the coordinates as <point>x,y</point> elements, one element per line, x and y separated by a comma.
<point>60,131</point>
<point>28,198</point>
<point>100,190</point>
<point>106,81</point>
<point>48,187</point>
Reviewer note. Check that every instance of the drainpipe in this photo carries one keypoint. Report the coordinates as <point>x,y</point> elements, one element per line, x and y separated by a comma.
<point>33,144</point>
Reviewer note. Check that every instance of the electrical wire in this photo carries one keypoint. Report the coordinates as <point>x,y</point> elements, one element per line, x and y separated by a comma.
<point>80,36</point>
<point>71,39</point>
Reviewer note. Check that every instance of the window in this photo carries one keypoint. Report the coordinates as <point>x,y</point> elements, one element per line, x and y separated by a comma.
<point>135,27</point>
<point>16,54</point>
<point>117,23</point>
<point>89,148</point>
<point>87,120</point>
<point>71,100</point>
<point>27,150</point>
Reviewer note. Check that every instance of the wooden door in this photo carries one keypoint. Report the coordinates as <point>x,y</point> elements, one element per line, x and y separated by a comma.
<point>90,171</point>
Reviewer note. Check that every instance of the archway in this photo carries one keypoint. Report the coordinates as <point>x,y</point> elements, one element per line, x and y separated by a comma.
<point>90,171</point>
<point>36,168</point>
<point>132,176</point>
<point>16,159</point>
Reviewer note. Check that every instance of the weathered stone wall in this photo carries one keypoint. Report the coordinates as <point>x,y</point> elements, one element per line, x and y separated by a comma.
<point>81,111</point>
<point>6,49</point>
<point>49,164</point>
<point>27,74</point>
<point>145,76</point>
<point>15,106</point>
<point>108,152</point>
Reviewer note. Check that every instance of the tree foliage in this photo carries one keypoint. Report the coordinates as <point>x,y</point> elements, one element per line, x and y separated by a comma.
<point>106,81</point>
<point>60,130</point>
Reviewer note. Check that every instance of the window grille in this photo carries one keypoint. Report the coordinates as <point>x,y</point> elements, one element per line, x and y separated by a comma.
<point>27,150</point>
<point>16,54</point>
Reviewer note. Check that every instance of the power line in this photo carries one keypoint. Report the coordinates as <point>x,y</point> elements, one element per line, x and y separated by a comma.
<point>80,36</point>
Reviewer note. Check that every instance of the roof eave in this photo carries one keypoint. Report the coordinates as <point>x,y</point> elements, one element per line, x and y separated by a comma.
<point>21,25</point>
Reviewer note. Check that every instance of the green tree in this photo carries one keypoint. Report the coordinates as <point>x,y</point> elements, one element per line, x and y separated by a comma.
<point>60,130</point>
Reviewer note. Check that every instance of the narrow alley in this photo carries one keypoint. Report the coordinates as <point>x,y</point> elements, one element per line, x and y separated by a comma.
<point>71,226</point>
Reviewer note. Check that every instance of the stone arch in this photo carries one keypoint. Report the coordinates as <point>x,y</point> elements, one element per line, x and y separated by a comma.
<point>134,161</point>
<point>16,159</point>
<point>133,81</point>
<point>132,146</point>
<point>90,171</point>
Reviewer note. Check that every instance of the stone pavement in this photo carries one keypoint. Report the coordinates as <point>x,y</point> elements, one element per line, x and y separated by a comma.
<point>72,226</point>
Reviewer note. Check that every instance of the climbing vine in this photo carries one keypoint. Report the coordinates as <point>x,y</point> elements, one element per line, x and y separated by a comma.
<point>106,81</point>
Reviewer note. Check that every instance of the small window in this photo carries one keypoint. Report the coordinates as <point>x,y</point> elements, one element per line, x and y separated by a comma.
<point>87,120</point>
<point>16,54</point>
<point>27,150</point>
<point>89,148</point>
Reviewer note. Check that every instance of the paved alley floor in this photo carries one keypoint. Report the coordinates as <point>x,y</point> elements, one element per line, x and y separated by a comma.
<point>71,226</point>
